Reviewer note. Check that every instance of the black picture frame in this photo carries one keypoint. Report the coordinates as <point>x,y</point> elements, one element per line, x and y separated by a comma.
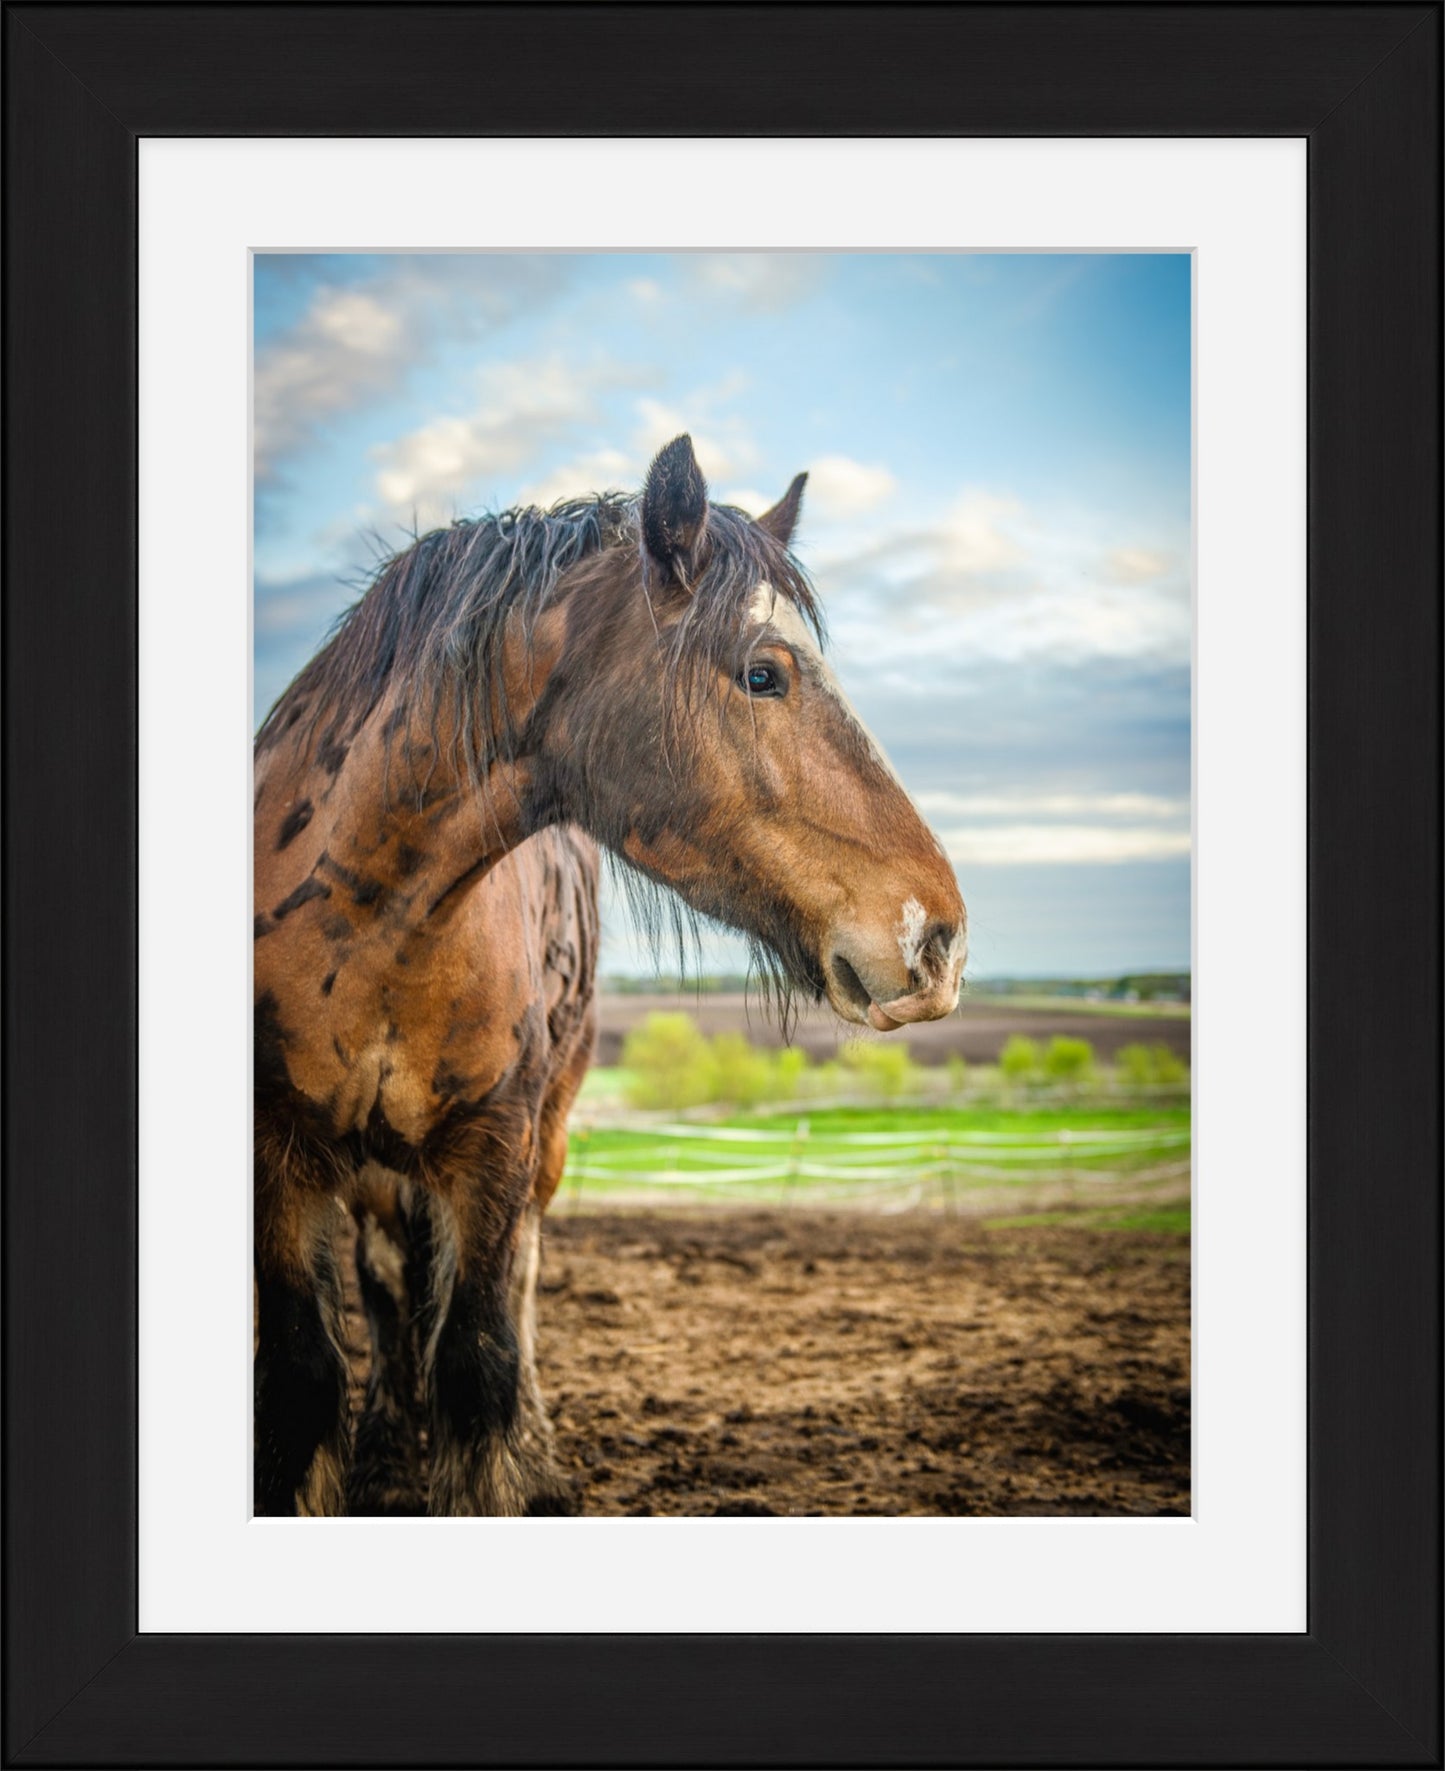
<point>1362,84</point>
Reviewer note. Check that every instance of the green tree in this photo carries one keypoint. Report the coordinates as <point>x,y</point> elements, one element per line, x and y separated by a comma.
<point>670,1062</point>
<point>790,1070</point>
<point>742,1074</point>
<point>1068,1060</point>
<point>1019,1059</point>
<point>1142,1066</point>
<point>1134,1064</point>
<point>827,1079</point>
<point>880,1069</point>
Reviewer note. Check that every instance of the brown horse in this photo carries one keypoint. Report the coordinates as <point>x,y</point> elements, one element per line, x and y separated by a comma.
<point>647,672</point>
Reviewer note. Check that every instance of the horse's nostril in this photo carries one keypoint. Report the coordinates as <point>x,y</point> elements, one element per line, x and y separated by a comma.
<point>850,983</point>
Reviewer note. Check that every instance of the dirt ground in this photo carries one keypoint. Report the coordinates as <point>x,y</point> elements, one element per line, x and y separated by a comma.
<point>787,1363</point>
<point>976,1031</point>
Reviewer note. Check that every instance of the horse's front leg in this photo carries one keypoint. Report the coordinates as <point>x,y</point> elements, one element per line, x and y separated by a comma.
<point>550,1491</point>
<point>486,1452</point>
<point>547,1489</point>
<point>388,1473</point>
<point>301,1416</point>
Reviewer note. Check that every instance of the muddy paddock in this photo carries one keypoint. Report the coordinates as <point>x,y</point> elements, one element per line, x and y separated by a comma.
<point>793,1362</point>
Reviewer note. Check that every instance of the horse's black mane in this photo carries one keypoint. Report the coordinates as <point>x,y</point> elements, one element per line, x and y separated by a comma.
<point>429,625</point>
<point>431,615</point>
<point>430,621</point>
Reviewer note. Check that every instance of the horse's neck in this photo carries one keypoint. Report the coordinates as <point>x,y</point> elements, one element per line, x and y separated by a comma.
<point>388,822</point>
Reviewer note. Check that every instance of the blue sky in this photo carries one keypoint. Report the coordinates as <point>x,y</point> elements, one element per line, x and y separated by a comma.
<point>997,518</point>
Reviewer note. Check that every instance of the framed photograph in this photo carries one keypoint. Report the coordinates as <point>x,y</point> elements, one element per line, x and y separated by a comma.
<point>799,734</point>
<point>1108,339</point>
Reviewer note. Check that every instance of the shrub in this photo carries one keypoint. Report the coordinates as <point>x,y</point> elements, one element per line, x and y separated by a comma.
<point>882,1069</point>
<point>790,1067</point>
<point>1068,1060</point>
<point>1134,1064</point>
<point>742,1074</point>
<point>1019,1059</point>
<point>1143,1065</point>
<point>957,1068</point>
<point>671,1063</point>
<point>827,1079</point>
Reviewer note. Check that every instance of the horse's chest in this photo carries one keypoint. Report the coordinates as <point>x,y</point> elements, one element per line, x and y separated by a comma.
<point>384,1091</point>
<point>394,1073</point>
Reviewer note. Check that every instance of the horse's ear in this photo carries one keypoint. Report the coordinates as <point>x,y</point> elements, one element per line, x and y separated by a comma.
<point>782,519</point>
<point>674,509</point>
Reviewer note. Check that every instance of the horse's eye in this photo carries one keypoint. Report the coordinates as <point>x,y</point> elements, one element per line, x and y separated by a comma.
<point>760,679</point>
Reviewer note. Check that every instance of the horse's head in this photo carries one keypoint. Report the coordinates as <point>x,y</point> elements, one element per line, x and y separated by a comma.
<point>693,725</point>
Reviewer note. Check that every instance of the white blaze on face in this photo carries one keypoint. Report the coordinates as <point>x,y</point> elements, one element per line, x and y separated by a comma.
<point>778,612</point>
<point>910,933</point>
<point>769,609</point>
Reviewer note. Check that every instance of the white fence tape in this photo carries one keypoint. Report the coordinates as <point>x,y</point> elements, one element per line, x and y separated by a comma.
<point>746,1135</point>
<point>844,1167</point>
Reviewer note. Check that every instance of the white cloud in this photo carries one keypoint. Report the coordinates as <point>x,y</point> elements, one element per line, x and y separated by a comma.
<point>355,321</point>
<point>942,804</point>
<point>1039,828</point>
<point>599,470</point>
<point>644,290</point>
<point>747,498</point>
<point>974,535</point>
<point>530,407</point>
<point>527,407</point>
<point>1037,845</point>
<point>841,487</point>
<point>523,406</point>
<point>356,342</point>
<point>1021,583</point>
<point>1136,565</point>
<point>765,282</point>
<point>724,449</point>
<point>349,345</point>
<point>425,472</point>
<point>291,605</point>
<point>973,554</point>
<point>1124,625</point>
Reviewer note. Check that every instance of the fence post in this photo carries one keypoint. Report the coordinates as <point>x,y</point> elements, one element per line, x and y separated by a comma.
<point>795,1157</point>
<point>577,1150</point>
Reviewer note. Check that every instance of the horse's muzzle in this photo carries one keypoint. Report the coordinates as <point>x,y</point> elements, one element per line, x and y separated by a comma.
<point>923,1005</point>
<point>881,990</point>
